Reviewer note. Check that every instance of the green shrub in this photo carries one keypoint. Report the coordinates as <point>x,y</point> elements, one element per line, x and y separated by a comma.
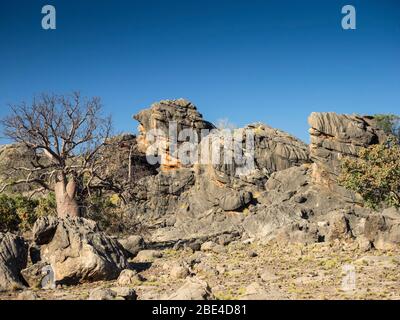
<point>46,206</point>
<point>375,174</point>
<point>25,210</point>
<point>9,219</point>
<point>20,213</point>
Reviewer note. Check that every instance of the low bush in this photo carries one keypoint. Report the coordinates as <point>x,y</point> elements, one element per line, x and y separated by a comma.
<point>374,174</point>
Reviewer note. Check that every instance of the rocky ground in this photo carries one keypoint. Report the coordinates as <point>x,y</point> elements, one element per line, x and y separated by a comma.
<point>249,271</point>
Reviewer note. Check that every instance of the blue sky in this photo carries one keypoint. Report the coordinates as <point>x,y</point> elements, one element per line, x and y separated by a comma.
<point>268,61</point>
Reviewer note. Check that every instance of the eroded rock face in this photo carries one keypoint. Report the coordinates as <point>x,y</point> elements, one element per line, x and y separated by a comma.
<point>277,150</point>
<point>13,258</point>
<point>78,252</point>
<point>294,209</point>
<point>207,198</point>
<point>158,119</point>
<point>336,135</point>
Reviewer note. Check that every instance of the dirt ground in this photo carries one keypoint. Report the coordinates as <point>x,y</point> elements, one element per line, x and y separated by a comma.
<point>263,271</point>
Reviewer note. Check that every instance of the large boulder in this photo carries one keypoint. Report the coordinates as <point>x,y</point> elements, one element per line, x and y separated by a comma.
<point>383,230</point>
<point>36,276</point>
<point>78,252</point>
<point>13,258</point>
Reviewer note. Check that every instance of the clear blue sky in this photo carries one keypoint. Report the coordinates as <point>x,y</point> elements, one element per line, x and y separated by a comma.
<point>268,61</point>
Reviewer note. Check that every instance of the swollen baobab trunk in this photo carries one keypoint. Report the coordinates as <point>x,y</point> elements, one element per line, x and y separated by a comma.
<point>65,198</point>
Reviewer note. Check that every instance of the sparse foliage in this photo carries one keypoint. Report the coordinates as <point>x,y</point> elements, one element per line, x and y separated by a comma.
<point>20,213</point>
<point>390,123</point>
<point>63,135</point>
<point>375,174</point>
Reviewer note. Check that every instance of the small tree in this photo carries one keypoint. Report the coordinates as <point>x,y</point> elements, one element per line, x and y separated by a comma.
<point>63,135</point>
<point>389,123</point>
<point>375,174</point>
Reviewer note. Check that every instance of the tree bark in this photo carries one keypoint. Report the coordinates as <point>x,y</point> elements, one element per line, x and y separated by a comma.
<point>65,198</point>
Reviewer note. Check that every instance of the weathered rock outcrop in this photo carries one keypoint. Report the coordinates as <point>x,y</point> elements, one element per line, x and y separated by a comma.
<point>336,135</point>
<point>13,258</point>
<point>207,198</point>
<point>163,116</point>
<point>78,252</point>
<point>277,150</point>
<point>294,209</point>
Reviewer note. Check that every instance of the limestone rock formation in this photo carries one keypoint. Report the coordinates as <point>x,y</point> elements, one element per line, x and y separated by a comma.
<point>158,119</point>
<point>336,135</point>
<point>277,150</point>
<point>207,198</point>
<point>13,258</point>
<point>294,209</point>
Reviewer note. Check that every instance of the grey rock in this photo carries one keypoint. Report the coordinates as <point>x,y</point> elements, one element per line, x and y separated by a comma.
<point>148,255</point>
<point>179,271</point>
<point>124,293</point>
<point>33,275</point>
<point>277,150</point>
<point>79,252</point>
<point>102,294</point>
<point>129,277</point>
<point>132,244</point>
<point>383,231</point>
<point>339,227</point>
<point>43,230</point>
<point>193,289</point>
<point>336,135</point>
<point>13,258</point>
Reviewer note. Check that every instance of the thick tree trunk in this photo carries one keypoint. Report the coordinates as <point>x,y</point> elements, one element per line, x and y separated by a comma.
<point>65,198</point>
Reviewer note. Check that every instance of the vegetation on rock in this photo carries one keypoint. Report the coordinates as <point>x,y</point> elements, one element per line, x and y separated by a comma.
<point>390,123</point>
<point>374,174</point>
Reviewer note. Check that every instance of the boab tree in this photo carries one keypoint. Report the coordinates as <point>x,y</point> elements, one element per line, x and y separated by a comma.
<point>64,136</point>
